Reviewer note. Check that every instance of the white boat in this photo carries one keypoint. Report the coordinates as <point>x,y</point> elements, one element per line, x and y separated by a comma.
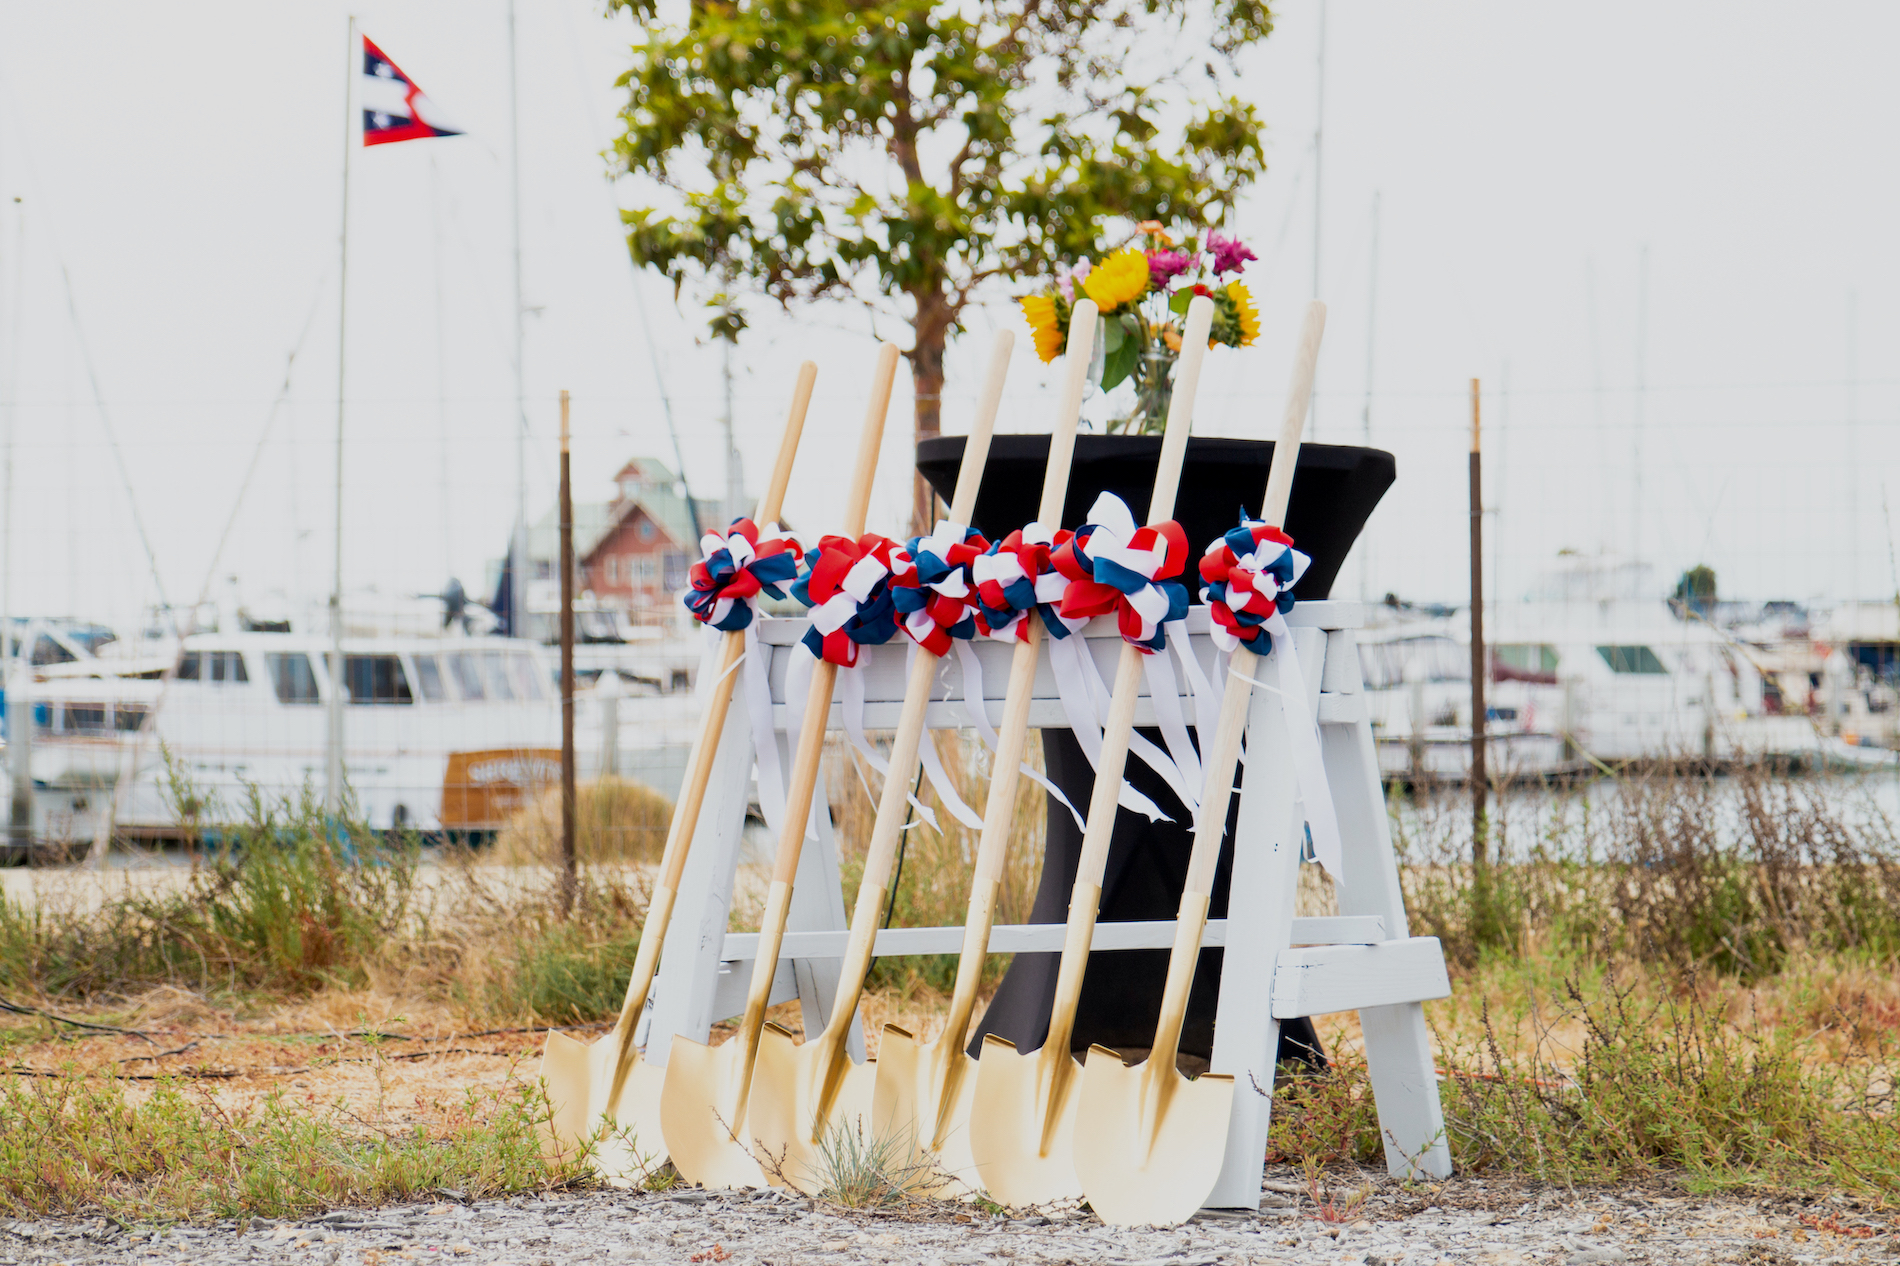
<point>1579,678</point>
<point>441,734</point>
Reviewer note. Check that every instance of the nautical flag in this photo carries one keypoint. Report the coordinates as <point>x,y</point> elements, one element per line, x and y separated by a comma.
<point>394,109</point>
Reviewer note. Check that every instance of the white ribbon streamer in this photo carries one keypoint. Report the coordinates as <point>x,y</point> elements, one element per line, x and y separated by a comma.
<point>973,704</point>
<point>1074,667</point>
<point>1166,697</point>
<point>758,701</point>
<point>1309,768</point>
<point>1206,694</point>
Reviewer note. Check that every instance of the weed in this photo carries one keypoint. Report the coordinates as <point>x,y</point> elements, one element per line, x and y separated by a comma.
<point>74,1144</point>
<point>615,820</point>
<point>862,1172</point>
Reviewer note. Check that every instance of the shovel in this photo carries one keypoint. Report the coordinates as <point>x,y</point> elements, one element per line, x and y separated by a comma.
<point>706,1094</point>
<point>801,1092</point>
<point>1023,1117</point>
<point>606,1080</point>
<point>1149,1142</point>
<point>923,1090</point>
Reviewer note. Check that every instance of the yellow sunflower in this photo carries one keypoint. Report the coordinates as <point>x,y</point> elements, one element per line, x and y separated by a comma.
<point>1040,311</point>
<point>1248,315</point>
<point>1121,278</point>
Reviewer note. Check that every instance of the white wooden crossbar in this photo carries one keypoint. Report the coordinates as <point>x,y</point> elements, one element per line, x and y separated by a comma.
<point>1276,966</point>
<point>1045,938</point>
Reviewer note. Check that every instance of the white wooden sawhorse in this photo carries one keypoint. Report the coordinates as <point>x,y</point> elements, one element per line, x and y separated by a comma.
<point>1363,959</point>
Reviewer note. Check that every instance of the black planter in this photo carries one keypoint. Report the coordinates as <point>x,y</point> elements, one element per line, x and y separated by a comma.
<point>1334,489</point>
<point>1334,492</point>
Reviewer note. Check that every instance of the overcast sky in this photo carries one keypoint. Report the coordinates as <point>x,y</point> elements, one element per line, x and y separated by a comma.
<point>178,169</point>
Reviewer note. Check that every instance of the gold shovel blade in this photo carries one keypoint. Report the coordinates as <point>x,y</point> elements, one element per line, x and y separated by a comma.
<point>1148,1142</point>
<point>905,1102</point>
<point>1022,1125</point>
<point>703,1115</point>
<point>579,1080</point>
<point>789,1121</point>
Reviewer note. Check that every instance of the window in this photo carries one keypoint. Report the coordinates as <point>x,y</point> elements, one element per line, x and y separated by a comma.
<point>1524,661</point>
<point>429,678</point>
<point>466,670</point>
<point>1388,664</point>
<point>128,718</point>
<point>646,529</point>
<point>47,651</point>
<point>290,677</point>
<point>646,570</point>
<point>543,570</point>
<point>1631,659</point>
<point>376,679</point>
<point>85,716</point>
<point>613,570</point>
<point>526,677</point>
<point>218,666</point>
<point>495,675</point>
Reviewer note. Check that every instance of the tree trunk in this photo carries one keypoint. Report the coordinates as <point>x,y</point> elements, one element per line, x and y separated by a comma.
<point>931,330</point>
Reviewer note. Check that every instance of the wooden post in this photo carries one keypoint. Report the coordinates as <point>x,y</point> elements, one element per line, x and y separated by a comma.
<point>570,862</point>
<point>1478,780</point>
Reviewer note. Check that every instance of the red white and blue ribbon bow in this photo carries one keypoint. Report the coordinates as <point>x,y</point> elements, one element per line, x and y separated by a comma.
<point>847,585</point>
<point>1250,574</point>
<point>724,594</point>
<point>1112,565</point>
<point>851,588</point>
<point>936,600</point>
<point>1016,577</point>
<point>738,566</point>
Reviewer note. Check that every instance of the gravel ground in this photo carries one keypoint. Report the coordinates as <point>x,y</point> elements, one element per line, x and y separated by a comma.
<point>1497,1223</point>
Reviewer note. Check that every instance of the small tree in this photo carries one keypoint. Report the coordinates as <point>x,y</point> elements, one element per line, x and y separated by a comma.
<point>907,153</point>
<point>1695,589</point>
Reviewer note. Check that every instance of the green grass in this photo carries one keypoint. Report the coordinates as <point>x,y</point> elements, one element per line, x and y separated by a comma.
<point>73,1144</point>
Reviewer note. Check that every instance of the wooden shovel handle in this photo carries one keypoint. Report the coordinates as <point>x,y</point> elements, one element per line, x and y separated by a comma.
<point>999,811</point>
<point>1085,899</point>
<point>894,799</point>
<point>679,833</point>
<point>1222,753</point>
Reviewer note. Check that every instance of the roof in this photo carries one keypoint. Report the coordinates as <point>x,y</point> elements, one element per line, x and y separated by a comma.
<point>656,492</point>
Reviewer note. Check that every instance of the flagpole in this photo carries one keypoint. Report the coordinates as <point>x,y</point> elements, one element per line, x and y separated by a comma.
<point>518,547</point>
<point>333,764</point>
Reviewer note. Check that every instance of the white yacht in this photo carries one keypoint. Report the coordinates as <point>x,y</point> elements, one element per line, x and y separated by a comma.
<point>441,734</point>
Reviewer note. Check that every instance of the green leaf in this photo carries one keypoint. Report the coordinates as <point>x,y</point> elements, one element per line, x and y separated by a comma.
<point>1112,337</point>
<point>1179,300</point>
<point>1120,363</point>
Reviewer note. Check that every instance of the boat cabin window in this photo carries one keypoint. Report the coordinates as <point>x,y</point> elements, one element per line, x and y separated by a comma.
<point>1631,659</point>
<point>466,670</point>
<point>212,666</point>
<point>1435,658</point>
<point>429,678</point>
<point>527,678</point>
<point>47,651</point>
<point>1524,661</point>
<point>376,679</point>
<point>291,678</point>
<point>495,676</point>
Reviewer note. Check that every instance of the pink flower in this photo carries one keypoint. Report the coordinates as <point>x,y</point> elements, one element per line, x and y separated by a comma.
<point>1165,266</point>
<point>1230,253</point>
<point>1067,278</point>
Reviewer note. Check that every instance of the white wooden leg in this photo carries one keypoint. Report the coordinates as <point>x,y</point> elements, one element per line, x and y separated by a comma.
<point>1398,1045</point>
<point>1267,843</point>
<point>685,993</point>
<point>818,906</point>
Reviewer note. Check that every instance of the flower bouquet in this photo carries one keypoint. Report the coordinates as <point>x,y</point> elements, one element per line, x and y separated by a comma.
<point>1143,293</point>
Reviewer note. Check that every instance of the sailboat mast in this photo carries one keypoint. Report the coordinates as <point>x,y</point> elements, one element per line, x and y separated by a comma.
<point>1319,185</point>
<point>333,762</point>
<point>518,548</point>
